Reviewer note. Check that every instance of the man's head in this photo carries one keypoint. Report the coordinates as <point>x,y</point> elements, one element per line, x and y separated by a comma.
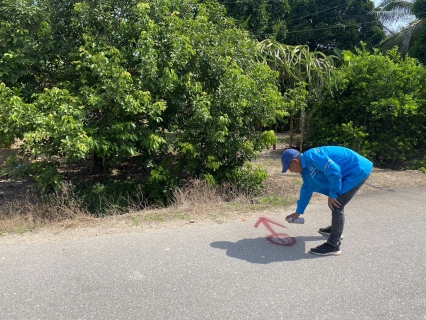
<point>291,158</point>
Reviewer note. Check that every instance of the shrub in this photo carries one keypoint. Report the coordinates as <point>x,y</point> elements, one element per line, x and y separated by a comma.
<point>173,82</point>
<point>380,110</point>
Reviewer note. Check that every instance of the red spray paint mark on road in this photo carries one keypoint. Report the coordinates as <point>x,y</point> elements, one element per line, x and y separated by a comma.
<point>280,239</point>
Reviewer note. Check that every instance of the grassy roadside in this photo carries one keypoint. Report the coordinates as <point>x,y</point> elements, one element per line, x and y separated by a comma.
<point>194,204</point>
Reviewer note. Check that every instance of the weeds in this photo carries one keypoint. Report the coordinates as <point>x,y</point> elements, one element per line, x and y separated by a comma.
<point>153,217</point>
<point>112,197</point>
<point>135,220</point>
<point>27,210</point>
<point>198,194</point>
<point>196,200</point>
<point>22,230</point>
<point>182,216</point>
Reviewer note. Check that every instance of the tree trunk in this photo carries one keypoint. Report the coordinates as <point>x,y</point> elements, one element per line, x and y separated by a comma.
<point>302,126</point>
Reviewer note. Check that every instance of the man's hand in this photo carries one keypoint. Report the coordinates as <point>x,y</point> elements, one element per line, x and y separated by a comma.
<point>293,216</point>
<point>333,204</point>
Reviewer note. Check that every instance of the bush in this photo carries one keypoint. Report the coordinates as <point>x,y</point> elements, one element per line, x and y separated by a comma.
<point>379,112</point>
<point>173,82</point>
<point>249,181</point>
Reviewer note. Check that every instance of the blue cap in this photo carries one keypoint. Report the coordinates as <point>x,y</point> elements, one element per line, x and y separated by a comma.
<point>287,157</point>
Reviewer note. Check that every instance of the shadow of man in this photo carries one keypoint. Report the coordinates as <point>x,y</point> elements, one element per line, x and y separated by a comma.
<point>262,251</point>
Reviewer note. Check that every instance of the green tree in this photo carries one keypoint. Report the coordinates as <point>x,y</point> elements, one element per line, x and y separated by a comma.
<point>379,111</point>
<point>301,72</point>
<point>324,25</point>
<point>263,18</point>
<point>174,82</point>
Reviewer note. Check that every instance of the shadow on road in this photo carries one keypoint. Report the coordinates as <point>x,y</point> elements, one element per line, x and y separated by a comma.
<point>259,250</point>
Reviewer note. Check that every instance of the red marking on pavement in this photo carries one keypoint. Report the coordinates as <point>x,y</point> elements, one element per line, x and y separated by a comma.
<point>280,239</point>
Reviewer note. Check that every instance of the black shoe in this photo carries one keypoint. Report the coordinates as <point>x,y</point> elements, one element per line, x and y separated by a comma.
<point>326,249</point>
<point>326,232</point>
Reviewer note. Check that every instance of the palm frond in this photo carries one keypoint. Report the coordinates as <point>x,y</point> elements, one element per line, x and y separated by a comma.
<point>418,25</point>
<point>297,64</point>
<point>393,12</point>
<point>394,16</point>
<point>404,39</point>
<point>390,5</point>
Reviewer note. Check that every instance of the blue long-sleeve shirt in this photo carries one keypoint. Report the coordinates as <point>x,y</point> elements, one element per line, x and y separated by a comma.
<point>331,171</point>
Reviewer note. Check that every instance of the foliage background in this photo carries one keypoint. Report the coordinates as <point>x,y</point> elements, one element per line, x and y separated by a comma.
<point>320,24</point>
<point>125,95</point>
<point>172,82</point>
<point>380,110</point>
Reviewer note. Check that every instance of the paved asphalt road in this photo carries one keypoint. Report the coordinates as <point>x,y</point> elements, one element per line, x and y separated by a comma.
<point>231,271</point>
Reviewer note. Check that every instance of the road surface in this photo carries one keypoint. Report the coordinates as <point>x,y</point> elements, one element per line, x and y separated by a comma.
<point>231,270</point>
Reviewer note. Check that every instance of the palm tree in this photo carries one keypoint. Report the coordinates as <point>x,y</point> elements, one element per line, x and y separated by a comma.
<point>300,70</point>
<point>393,13</point>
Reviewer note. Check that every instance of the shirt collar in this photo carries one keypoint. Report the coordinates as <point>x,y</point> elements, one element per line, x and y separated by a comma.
<point>303,160</point>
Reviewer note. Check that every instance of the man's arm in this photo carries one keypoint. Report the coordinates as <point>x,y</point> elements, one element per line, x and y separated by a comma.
<point>305,197</point>
<point>302,203</point>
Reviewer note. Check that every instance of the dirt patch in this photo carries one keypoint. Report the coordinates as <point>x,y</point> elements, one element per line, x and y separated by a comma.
<point>382,179</point>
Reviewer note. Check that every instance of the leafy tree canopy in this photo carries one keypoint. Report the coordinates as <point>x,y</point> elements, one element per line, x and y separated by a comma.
<point>380,110</point>
<point>320,24</point>
<point>324,25</point>
<point>263,18</point>
<point>419,9</point>
<point>172,81</point>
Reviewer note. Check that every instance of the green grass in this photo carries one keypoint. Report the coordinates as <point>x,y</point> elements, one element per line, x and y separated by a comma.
<point>274,201</point>
<point>22,230</point>
<point>261,203</point>
<point>182,216</point>
<point>153,217</point>
<point>135,220</point>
